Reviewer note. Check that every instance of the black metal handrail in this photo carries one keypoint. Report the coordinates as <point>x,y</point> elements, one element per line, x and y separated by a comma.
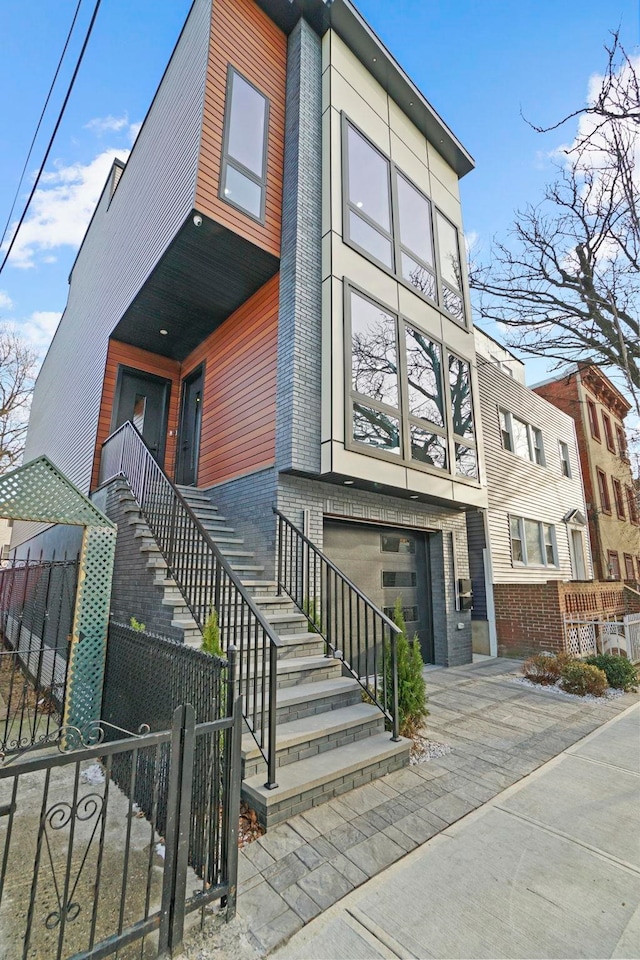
<point>349,623</point>
<point>205,580</point>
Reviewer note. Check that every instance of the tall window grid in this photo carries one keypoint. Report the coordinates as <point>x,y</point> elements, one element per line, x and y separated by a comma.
<point>243,172</point>
<point>521,438</point>
<point>533,543</point>
<point>388,219</point>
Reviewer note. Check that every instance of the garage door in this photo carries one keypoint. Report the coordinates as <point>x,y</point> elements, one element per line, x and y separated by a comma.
<point>386,564</point>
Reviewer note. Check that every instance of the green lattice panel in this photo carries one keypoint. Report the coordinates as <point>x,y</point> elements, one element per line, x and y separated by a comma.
<point>38,491</point>
<point>88,648</point>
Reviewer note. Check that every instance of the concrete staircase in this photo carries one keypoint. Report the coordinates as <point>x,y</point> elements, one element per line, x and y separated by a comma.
<point>328,740</point>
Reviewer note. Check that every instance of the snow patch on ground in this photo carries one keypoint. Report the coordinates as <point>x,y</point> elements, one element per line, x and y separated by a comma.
<point>611,694</point>
<point>160,849</point>
<point>424,749</point>
<point>93,775</point>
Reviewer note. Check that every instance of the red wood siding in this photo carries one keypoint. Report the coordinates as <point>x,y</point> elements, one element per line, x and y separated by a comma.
<point>243,35</point>
<point>239,401</point>
<point>128,356</point>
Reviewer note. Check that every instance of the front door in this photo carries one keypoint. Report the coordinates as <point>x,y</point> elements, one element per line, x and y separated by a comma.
<point>144,399</point>
<point>387,564</point>
<point>190,426</point>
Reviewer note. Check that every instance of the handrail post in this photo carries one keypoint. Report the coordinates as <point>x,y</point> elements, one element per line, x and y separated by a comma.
<point>394,686</point>
<point>273,682</point>
<point>280,556</point>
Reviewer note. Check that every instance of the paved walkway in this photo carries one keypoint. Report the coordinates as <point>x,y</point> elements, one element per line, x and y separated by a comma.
<point>499,732</point>
<point>550,868</point>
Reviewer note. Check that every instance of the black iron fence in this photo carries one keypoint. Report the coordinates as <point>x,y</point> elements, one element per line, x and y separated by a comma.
<point>37,603</point>
<point>339,611</point>
<point>84,872</point>
<point>205,579</point>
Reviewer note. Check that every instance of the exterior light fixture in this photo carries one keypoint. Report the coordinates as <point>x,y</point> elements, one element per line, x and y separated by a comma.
<point>414,496</point>
<point>348,483</point>
<point>164,332</point>
<point>197,220</point>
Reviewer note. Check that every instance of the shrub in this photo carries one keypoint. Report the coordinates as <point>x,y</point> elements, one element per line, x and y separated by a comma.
<point>136,625</point>
<point>582,678</point>
<point>620,672</point>
<point>211,636</point>
<point>545,668</point>
<point>412,698</point>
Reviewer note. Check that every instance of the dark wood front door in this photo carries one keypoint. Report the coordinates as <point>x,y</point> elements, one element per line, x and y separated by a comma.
<point>144,399</point>
<point>190,427</point>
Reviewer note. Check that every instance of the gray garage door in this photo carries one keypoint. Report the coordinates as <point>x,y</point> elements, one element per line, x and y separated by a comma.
<point>386,564</point>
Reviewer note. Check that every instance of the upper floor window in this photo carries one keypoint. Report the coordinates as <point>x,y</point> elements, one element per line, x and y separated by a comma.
<point>243,174</point>
<point>622,442</point>
<point>521,438</point>
<point>603,488</point>
<point>565,463</point>
<point>593,420</point>
<point>389,219</point>
<point>608,432</point>
<point>619,499</point>
<point>633,504</point>
<point>533,543</point>
<point>629,571</point>
<point>614,564</point>
<point>401,403</point>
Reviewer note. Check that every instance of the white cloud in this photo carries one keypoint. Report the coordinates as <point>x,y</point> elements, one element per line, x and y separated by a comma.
<point>39,328</point>
<point>61,209</point>
<point>108,124</point>
<point>6,302</point>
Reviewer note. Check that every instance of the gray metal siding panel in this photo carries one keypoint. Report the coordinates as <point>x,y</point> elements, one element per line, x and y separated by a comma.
<point>124,242</point>
<point>523,488</point>
<point>476,545</point>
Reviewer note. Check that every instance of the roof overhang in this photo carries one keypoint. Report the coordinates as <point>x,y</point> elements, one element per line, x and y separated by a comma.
<point>343,17</point>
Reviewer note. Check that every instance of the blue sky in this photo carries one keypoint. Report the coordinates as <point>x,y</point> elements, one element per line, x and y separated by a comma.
<point>480,62</point>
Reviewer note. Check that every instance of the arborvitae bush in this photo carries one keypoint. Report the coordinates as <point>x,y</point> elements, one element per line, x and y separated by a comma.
<point>412,698</point>
<point>211,636</point>
<point>620,672</point>
<point>582,678</point>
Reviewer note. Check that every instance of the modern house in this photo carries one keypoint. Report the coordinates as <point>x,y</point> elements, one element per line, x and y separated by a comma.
<point>533,536</point>
<point>599,410</point>
<point>273,291</point>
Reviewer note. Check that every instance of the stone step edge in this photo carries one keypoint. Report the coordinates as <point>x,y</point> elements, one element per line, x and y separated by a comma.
<point>323,769</point>
<point>313,727</point>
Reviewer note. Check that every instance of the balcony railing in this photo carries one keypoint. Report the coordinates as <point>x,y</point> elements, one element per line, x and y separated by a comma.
<point>205,580</point>
<point>352,627</point>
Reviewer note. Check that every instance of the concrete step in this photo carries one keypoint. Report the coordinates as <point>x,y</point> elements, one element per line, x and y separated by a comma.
<point>306,783</point>
<point>315,734</point>
<point>293,646</point>
<point>316,697</point>
<point>295,671</point>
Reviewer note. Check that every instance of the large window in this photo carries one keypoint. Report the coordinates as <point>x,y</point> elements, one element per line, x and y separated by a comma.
<point>593,420</point>
<point>622,442</point>
<point>521,438</point>
<point>608,432</point>
<point>632,503</point>
<point>533,544</point>
<point>603,489</point>
<point>401,401</point>
<point>565,462</point>
<point>244,150</point>
<point>390,220</point>
<point>618,497</point>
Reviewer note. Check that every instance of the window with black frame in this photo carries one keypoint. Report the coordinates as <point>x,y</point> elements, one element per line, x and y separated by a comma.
<point>400,403</point>
<point>395,227</point>
<point>243,174</point>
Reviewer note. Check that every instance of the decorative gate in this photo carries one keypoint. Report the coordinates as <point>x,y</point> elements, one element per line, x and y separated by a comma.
<point>85,871</point>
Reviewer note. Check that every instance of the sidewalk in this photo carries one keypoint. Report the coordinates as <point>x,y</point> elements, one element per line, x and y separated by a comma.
<point>550,868</point>
<point>500,731</point>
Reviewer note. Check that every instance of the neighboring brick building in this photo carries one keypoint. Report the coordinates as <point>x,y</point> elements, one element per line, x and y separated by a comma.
<point>599,410</point>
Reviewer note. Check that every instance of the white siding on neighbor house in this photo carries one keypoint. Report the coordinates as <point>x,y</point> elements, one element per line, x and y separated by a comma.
<point>125,240</point>
<point>521,488</point>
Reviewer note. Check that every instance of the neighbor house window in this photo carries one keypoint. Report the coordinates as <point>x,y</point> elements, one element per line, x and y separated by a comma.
<point>622,442</point>
<point>368,195</point>
<point>629,572</point>
<point>387,218</point>
<point>532,543</point>
<point>618,497</point>
<point>521,438</point>
<point>633,504</point>
<point>243,176</point>
<point>401,403</point>
<point>614,564</point>
<point>593,420</point>
<point>565,463</point>
<point>603,489</point>
<point>608,432</point>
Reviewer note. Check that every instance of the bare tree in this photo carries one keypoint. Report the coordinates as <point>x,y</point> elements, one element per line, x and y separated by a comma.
<point>567,282</point>
<point>17,368</point>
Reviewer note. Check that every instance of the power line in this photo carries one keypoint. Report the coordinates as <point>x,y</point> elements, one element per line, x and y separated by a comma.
<point>46,104</point>
<point>53,135</point>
